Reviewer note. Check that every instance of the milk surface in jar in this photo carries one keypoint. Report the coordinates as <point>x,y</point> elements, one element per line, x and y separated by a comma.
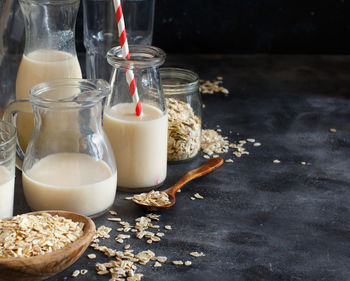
<point>7,182</point>
<point>74,182</point>
<point>36,67</point>
<point>139,144</point>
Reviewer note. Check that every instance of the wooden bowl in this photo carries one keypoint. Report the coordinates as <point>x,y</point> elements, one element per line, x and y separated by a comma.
<point>43,266</point>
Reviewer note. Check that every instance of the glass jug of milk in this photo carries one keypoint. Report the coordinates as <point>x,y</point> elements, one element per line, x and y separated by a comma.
<point>49,51</point>
<point>139,142</point>
<point>69,163</point>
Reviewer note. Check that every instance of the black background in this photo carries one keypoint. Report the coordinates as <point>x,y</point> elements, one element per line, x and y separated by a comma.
<point>249,26</point>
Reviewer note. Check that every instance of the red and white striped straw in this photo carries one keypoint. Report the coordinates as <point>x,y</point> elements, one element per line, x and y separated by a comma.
<point>130,78</point>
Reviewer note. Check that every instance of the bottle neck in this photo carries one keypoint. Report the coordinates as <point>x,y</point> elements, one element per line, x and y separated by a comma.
<point>50,25</point>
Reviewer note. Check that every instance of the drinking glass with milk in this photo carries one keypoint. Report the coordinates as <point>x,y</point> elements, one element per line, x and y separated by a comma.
<point>139,142</point>
<point>49,51</point>
<point>69,163</point>
<point>7,168</point>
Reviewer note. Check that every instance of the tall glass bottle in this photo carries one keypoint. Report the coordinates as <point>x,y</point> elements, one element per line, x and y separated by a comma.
<point>49,51</point>
<point>139,142</point>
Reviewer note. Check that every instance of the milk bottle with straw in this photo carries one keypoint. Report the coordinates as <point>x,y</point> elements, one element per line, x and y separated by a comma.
<point>139,141</point>
<point>49,51</point>
<point>135,118</point>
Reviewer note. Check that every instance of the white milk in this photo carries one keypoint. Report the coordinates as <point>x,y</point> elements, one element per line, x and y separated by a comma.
<point>7,187</point>
<point>36,67</point>
<point>70,181</point>
<point>139,144</point>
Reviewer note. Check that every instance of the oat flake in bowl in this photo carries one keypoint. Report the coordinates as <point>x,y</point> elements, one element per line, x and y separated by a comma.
<point>37,245</point>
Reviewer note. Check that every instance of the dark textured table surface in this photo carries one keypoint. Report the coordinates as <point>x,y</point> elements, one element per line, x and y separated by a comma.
<point>258,220</point>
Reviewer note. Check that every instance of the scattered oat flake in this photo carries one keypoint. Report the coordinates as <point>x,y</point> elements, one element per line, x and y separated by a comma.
<point>237,154</point>
<point>114,219</point>
<point>123,236</point>
<point>188,263</point>
<point>206,156</point>
<point>211,87</point>
<point>178,262</point>
<point>91,256</point>
<point>83,271</point>
<point>251,140</point>
<point>102,272</point>
<point>303,163</point>
<point>168,227</point>
<point>333,130</point>
<point>128,198</point>
<point>212,142</point>
<point>103,232</point>
<point>276,161</point>
<point>113,213</point>
<point>197,254</point>
<point>75,273</point>
<point>229,160</point>
<point>153,216</point>
<point>257,144</point>
<point>162,259</point>
<point>192,198</point>
<point>145,256</point>
<point>198,196</point>
<point>157,264</point>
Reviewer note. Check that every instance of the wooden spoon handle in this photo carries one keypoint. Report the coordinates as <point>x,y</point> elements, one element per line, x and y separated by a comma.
<point>207,167</point>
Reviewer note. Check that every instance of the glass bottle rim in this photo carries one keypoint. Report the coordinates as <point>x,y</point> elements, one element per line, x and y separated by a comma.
<point>58,2</point>
<point>87,93</point>
<point>141,56</point>
<point>184,81</point>
<point>10,131</point>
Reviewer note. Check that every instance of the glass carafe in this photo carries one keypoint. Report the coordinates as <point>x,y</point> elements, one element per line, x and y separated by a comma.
<point>139,142</point>
<point>49,51</point>
<point>69,163</point>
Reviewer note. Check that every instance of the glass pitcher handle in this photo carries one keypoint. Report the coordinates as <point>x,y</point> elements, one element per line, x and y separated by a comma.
<point>10,115</point>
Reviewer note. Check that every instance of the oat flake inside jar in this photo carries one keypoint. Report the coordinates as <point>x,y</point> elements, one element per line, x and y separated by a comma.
<point>181,91</point>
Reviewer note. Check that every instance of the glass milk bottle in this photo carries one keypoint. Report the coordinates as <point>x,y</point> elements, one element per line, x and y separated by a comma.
<point>139,142</point>
<point>49,51</point>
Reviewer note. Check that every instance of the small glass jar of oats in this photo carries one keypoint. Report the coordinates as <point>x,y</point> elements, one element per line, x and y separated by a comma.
<point>181,91</point>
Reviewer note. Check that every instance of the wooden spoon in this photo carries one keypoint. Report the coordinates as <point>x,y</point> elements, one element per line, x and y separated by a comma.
<point>207,167</point>
<point>43,266</point>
